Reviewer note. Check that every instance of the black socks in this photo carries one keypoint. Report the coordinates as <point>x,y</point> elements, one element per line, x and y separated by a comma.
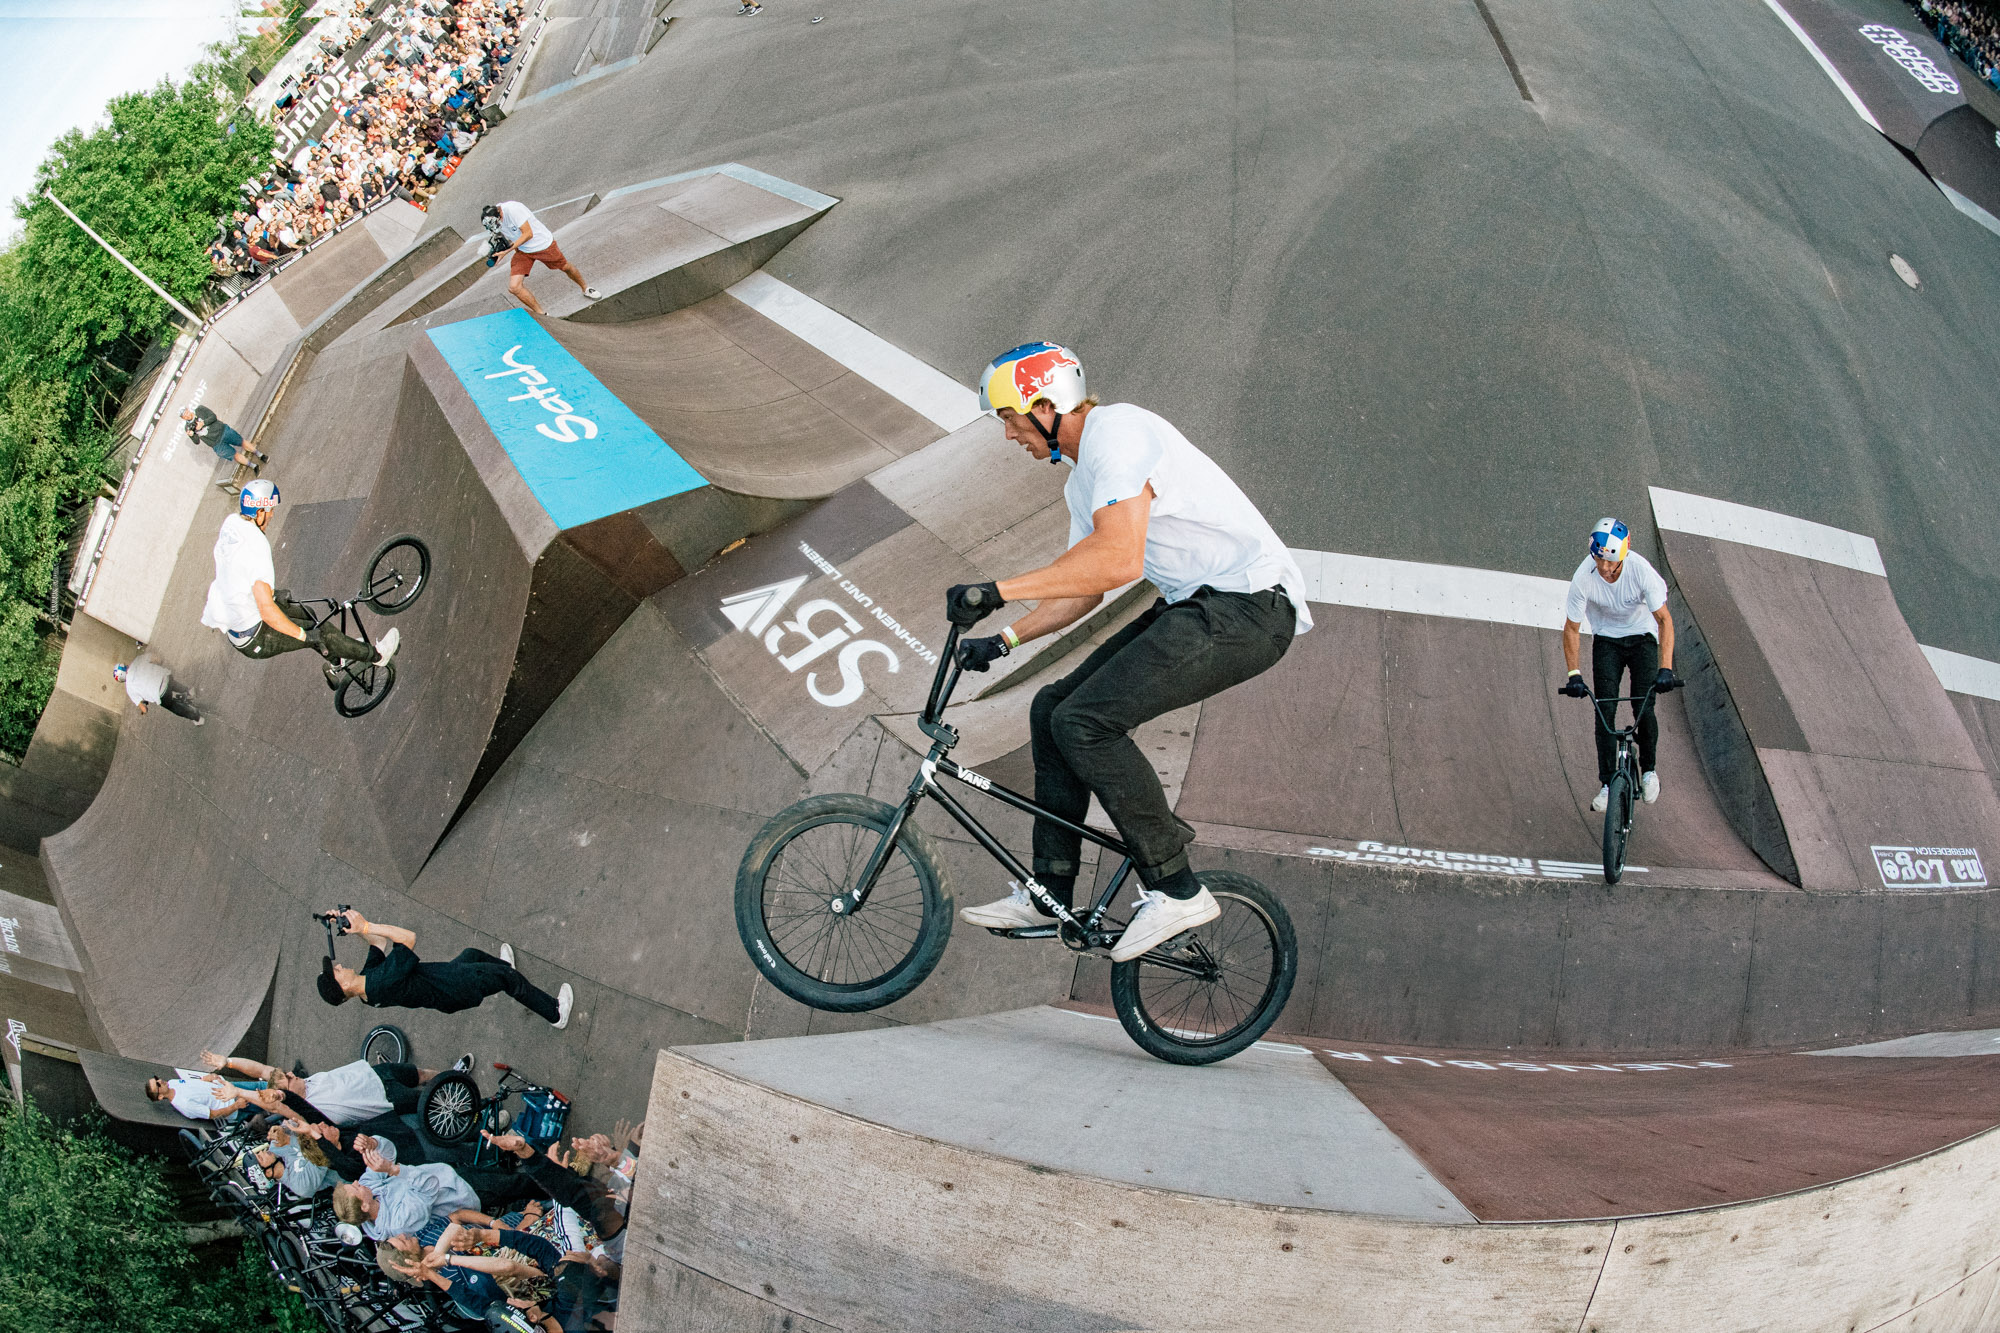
<point>1181,884</point>
<point>1062,888</point>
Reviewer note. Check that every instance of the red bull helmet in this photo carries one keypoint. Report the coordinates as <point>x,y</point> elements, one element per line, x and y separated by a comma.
<point>1015,379</point>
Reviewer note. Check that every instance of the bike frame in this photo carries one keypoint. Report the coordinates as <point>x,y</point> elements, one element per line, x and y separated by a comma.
<point>1626,737</point>
<point>1087,932</point>
<point>340,610</point>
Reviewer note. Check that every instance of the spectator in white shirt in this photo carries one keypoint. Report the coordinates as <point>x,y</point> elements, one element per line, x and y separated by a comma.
<point>148,683</point>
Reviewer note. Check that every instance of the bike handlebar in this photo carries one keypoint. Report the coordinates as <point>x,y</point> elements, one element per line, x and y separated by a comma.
<point>1639,702</point>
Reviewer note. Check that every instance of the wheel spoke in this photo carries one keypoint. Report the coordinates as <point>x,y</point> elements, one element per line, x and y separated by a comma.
<point>813,868</point>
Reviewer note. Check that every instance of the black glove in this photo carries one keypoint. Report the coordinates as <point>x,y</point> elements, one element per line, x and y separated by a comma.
<point>966,604</point>
<point>980,654</point>
<point>1666,682</point>
<point>1574,687</point>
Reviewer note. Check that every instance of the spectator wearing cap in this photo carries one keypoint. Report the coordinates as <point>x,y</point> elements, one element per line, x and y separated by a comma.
<point>147,682</point>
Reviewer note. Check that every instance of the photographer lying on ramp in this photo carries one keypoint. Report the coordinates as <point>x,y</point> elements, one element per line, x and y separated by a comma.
<point>393,975</point>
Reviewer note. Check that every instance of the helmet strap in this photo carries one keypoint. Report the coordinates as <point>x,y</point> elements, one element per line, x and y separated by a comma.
<point>1049,434</point>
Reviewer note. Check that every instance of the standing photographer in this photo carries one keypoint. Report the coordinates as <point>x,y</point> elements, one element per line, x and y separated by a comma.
<point>393,975</point>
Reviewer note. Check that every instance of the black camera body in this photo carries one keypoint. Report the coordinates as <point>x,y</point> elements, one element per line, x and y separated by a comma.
<point>334,921</point>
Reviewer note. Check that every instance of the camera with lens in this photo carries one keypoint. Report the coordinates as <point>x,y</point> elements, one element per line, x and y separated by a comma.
<point>336,920</point>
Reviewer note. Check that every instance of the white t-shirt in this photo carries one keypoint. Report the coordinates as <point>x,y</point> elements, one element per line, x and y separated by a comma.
<point>349,1094</point>
<point>1202,528</point>
<point>512,215</point>
<point>242,558</point>
<point>195,1098</point>
<point>1617,610</point>
<point>144,682</point>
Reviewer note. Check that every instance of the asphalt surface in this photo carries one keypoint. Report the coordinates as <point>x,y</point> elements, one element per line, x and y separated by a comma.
<point>1415,314</point>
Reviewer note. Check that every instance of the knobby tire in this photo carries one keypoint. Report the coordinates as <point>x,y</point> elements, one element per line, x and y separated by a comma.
<point>1617,824</point>
<point>799,862</point>
<point>1190,1021</point>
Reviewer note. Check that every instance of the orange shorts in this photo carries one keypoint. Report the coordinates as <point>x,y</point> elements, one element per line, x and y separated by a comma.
<point>522,262</point>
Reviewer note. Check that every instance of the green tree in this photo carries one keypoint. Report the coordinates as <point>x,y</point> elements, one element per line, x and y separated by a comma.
<point>89,1243</point>
<point>153,180</point>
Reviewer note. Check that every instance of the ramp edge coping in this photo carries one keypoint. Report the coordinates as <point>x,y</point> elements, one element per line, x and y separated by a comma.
<point>1724,520</point>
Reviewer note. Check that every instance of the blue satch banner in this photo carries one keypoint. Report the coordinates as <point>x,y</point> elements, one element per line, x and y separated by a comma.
<point>582,452</point>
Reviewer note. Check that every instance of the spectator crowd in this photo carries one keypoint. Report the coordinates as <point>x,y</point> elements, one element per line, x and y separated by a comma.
<point>1969,29</point>
<point>403,116</point>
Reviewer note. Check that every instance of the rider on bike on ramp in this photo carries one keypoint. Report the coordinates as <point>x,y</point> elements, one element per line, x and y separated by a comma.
<point>1142,501</point>
<point>251,615</point>
<point>1631,629</point>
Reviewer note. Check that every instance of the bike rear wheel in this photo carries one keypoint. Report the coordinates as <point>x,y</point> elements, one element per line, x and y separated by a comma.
<point>397,574</point>
<point>1245,962</point>
<point>1617,824</point>
<point>386,1044</point>
<point>804,859</point>
<point>448,1107</point>
<point>362,688</point>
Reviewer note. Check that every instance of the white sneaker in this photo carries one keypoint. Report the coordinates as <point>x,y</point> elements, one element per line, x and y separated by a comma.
<point>1017,911</point>
<point>564,998</point>
<point>462,1065</point>
<point>1649,787</point>
<point>1160,918</point>
<point>1602,800</point>
<point>592,294</point>
<point>507,954</point>
<point>385,647</point>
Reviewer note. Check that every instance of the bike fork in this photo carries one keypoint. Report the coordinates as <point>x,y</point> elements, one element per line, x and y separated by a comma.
<point>852,901</point>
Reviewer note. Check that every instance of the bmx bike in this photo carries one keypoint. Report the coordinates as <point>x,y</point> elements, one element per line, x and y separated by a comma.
<point>844,904</point>
<point>397,576</point>
<point>451,1110</point>
<point>1623,789</point>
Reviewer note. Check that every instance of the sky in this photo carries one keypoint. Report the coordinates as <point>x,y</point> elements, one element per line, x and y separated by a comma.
<point>67,58</point>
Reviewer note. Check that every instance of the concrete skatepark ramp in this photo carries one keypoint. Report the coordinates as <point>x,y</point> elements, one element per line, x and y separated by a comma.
<point>600,706</point>
<point>1034,1171</point>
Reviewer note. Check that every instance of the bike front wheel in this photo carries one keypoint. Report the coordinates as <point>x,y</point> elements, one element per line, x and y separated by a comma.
<point>1617,824</point>
<point>397,574</point>
<point>800,864</point>
<point>1210,992</point>
<point>362,688</point>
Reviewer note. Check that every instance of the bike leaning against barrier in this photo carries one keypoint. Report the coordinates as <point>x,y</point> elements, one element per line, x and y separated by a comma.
<point>843,902</point>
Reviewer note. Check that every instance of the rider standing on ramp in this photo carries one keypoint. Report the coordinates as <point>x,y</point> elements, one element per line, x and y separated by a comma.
<point>1142,500</point>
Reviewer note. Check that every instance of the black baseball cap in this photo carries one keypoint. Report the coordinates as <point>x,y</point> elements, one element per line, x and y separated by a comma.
<point>329,988</point>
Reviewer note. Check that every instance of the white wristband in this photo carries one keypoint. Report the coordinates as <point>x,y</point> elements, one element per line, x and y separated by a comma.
<point>1010,638</point>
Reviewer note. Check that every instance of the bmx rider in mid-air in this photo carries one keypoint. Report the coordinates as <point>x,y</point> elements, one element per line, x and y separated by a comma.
<point>1142,501</point>
<point>257,620</point>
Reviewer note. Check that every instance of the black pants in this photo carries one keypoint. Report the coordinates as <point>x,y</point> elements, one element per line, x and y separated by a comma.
<point>1610,659</point>
<point>400,1085</point>
<point>333,645</point>
<point>176,700</point>
<point>578,1295</point>
<point>1170,657</point>
<point>503,1188</point>
<point>479,972</point>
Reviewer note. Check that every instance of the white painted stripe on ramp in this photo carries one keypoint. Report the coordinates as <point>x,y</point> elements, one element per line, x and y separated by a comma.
<point>1677,511</point>
<point>927,391</point>
<point>1334,579</point>
<point>1965,675</point>
<point>1846,90</point>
